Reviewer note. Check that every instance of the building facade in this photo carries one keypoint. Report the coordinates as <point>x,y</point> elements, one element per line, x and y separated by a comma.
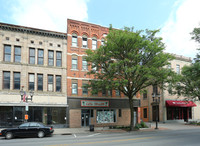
<point>32,60</point>
<point>107,108</point>
<point>170,107</point>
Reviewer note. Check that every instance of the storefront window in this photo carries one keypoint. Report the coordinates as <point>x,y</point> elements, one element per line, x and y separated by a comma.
<point>106,116</point>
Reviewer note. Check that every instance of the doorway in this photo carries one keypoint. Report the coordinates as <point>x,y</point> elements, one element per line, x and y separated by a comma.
<point>85,117</point>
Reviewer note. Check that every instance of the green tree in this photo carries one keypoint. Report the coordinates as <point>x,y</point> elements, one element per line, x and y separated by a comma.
<point>129,61</point>
<point>189,80</point>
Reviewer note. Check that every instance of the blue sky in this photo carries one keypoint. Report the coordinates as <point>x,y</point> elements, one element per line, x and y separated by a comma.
<point>175,18</point>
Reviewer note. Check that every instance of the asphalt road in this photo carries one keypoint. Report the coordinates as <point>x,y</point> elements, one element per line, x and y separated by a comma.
<point>189,137</point>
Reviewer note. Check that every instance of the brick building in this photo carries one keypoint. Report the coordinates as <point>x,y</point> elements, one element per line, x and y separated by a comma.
<point>107,107</point>
<point>171,107</point>
<point>32,59</point>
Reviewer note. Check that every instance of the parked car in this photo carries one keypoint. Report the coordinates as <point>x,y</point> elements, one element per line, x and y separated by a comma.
<point>29,129</point>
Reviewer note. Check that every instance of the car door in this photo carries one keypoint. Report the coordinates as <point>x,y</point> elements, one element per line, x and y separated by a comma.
<point>22,130</point>
<point>33,128</point>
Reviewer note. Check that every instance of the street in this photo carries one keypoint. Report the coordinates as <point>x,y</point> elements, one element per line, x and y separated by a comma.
<point>187,137</point>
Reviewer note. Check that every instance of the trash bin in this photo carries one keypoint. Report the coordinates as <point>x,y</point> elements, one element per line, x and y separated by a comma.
<point>91,128</point>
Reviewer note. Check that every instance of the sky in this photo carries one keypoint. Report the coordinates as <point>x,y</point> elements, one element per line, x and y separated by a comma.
<point>176,19</point>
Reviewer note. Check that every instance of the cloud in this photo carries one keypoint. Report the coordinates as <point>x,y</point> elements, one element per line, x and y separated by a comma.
<point>48,14</point>
<point>181,22</point>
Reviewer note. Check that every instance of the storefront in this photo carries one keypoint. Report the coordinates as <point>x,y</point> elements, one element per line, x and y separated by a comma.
<point>100,112</point>
<point>14,115</point>
<point>179,110</point>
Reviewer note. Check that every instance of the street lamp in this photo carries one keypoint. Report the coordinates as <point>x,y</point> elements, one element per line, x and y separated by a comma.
<point>25,98</point>
<point>156,102</point>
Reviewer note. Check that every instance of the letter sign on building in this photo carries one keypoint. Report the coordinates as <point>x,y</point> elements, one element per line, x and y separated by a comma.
<point>94,103</point>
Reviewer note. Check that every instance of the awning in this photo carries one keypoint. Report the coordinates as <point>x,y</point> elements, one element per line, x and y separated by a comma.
<point>175,103</point>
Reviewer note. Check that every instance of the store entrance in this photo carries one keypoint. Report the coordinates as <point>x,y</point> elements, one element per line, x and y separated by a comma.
<point>85,117</point>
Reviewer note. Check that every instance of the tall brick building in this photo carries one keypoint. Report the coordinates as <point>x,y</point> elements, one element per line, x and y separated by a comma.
<point>32,59</point>
<point>103,109</point>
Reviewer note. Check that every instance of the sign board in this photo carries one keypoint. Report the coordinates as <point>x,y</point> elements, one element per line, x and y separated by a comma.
<point>94,103</point>
<point>26,117</point>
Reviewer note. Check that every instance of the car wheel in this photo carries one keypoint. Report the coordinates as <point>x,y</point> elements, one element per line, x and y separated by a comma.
<point>40,134</point>
<point>9,135</point>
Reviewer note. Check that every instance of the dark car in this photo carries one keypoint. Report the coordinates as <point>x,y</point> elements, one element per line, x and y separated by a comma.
<point>29,129</point>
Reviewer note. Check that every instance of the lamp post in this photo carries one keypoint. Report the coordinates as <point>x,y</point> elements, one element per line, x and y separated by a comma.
<point>25,99</point>
<point>156,101</point>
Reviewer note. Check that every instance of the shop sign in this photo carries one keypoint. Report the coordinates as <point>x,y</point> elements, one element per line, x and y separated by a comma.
<point>94,103</point>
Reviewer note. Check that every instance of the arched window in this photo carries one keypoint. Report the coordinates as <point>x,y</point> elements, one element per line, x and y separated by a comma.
<point>84,64</point>
<point>74,40</point>
<point>102,42</point>
<point>85,41</point>
<point>94,43</point>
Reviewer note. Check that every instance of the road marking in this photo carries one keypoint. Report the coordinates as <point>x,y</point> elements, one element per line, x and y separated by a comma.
<point>107,141</point>
<point>93,134</point>
<point>75,135</point>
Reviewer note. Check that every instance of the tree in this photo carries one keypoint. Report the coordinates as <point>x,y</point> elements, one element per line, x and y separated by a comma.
<point>189,80</point>
<point>129,61</point>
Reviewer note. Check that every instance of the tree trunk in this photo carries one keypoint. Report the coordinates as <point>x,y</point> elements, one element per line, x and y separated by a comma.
<point>132,113</point>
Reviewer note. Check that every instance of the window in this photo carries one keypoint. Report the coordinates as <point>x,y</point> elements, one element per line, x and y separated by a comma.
<point>84,42</point>
<point>102,42</point>
<point>74,87</point>
<point>7,53</point>
<point>50,44</point>
<point>94,43</point>
<point>50,57</point>
<point>84,87</point>
<point>40,43</point>
<point>58,83</point>
<point>17,54</point>
<point>103,92</point>
<point>117,92</point>
<point>40,82</point>
<point>6,80</point>
<point>106,116</point>
<point>74,62</point>
<point>59,45</point>
<point>32,55</point>
<point>16,80</point>
<point>145,113</point>
<point>155,89</point>
<point>7,38</point>
<point>110,92</point>
<point>40,56</point>
<point>58,58</point>
<point>31,82</point>
<point>120,113</point>
<point>74,40</point>
<point>145,95</point>
<point>84,64</point>
<point>178,69</point>
<point>32,42</point>
<point>94,68</point>
<point>17,39</point>
<point>50,83</point>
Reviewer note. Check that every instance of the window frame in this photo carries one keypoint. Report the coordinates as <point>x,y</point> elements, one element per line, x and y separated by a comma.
<point>75,89</point>
<point>74,40</point>
<point>58,84</point>
<point>40,58</point>
<point>145,113</point>
<point>58,59</point>
<point>40,84</point>
<point>50,59</point>
<point>84,64</point>
<point>6,81</point>
<point>17,55</point>
<point>74,66</point>
<point>94,43</point>
<point>31,56</point>
<point>31,83</point>
<point>85,37</point>
<point>7,54</point>
<point>50,83</point>
<point>15,81</point>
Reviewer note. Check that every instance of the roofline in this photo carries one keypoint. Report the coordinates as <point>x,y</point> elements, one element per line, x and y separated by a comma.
<point>30,30</point>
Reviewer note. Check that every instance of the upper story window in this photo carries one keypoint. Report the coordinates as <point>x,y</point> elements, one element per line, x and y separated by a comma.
<point>40,82</point>
<point>58,58</point>
<point>40,56</point>
<point>16,80</point>
<point>84,87</point>
<point>178,69</point>
<point>85,41</point>
<point>74,62</point>
<point>31,81</point>
<point>94,43</point>
<point>32,55</point>
<point>17,54</point>
<point>74,40</point>
<point>7,53</point>
<point>50,58</point>
<point>155,89</point>
<point>117,93</point>
<point>58,83</point>
<point>50,83</point>
<point>145,95</point>
<point>102,42</point>
<point>74,88</point>
<point>6,80</point>
<point>84,64</point>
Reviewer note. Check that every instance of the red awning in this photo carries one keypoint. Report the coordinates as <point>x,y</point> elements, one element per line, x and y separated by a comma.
<point>180,103</point>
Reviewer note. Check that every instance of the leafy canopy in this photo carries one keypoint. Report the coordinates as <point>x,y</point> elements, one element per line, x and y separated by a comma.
<point>129,61</point>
